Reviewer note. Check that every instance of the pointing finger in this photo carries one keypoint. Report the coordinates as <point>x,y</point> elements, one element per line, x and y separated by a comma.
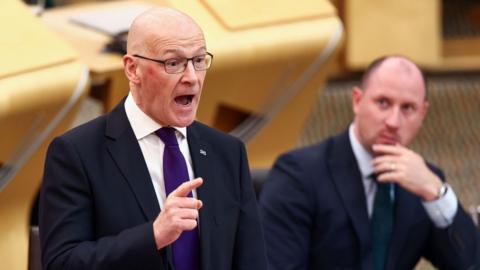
<point>187,187</point>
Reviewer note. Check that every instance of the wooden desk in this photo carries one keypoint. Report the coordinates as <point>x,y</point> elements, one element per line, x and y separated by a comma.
<point>106,68</point>
<point>41,86</point>
<point>269,62</point>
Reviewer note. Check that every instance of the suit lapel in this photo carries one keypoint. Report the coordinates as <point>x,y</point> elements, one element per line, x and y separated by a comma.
<point>348,182</point>
<point>125,152</point>
<point>202,158</point>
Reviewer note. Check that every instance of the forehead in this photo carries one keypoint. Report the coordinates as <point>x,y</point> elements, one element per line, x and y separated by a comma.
<point>178,44</point>
<point>173,34</point>
<point>397,79</point>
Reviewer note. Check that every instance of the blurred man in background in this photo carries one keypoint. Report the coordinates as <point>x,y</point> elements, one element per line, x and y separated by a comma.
<point>363,199</point>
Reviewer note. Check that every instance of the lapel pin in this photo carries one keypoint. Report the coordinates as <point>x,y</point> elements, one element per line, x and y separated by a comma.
<point>203,152</point>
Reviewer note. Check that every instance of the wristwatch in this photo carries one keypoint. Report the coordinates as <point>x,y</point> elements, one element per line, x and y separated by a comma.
<point>442,191</point>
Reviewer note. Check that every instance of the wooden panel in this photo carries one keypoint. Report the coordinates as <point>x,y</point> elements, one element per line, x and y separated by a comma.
<point>27,44</point>
<point>376,28</point>
<point>240,14</point>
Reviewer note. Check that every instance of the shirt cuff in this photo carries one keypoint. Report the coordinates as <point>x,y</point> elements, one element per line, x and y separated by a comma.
<point>442,210</point>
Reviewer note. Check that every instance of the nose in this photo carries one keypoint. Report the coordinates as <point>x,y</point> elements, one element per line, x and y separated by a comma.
<point>189,74</point>
<point>393,118</point>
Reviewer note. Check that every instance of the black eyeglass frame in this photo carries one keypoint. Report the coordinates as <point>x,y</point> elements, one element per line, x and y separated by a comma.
<point>163,62</point>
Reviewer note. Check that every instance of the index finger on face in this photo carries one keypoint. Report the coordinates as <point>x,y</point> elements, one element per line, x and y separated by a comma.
<point>386,149</point>
<point>187,187</point>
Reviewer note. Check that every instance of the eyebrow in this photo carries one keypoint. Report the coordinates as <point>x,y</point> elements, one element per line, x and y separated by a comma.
<point>201,49</point>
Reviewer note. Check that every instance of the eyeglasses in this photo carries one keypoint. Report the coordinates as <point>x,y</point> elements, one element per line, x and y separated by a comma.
<point>178,65</point>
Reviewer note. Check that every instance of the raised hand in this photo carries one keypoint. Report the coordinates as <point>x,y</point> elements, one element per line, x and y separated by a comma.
<point>180,213</point>
<point>398,164</point>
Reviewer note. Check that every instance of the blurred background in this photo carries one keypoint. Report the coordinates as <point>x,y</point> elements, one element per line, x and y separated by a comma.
<point>281,78</point>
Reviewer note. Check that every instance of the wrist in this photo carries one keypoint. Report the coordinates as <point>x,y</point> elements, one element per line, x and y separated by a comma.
<point>432,189</point>
<point>437,192</point>
<point>156,236</point>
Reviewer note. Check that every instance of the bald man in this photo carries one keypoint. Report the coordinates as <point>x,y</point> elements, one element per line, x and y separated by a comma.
<point>146,186</point>
<point>363,199</point>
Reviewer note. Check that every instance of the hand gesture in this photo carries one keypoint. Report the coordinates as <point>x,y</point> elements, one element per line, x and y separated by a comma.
<point>180,213</point>
<point>398,164</point>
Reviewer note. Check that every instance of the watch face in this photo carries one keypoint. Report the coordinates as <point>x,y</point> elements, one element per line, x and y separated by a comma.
<point>443,190</point>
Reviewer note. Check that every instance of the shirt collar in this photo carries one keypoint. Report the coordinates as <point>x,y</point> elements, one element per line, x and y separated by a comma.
<point>142,124</point>
<point>364,159</point>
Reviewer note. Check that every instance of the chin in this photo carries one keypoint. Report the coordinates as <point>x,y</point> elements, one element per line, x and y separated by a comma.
<point>184,122</point>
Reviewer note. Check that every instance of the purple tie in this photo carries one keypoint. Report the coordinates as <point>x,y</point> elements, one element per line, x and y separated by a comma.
<point>186,247</point>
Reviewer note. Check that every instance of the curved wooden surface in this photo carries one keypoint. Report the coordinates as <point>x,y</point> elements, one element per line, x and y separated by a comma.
<point>40,90</point>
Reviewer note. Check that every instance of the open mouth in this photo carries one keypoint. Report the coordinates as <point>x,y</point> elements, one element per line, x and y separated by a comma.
<point>184,100</point>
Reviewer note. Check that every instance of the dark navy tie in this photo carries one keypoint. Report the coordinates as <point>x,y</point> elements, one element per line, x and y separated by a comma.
<point>186,247</point>
<point>382,224</point>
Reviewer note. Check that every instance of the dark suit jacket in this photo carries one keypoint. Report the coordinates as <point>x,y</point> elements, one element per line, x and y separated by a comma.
<point>97,201</point>
<point>315,216</point>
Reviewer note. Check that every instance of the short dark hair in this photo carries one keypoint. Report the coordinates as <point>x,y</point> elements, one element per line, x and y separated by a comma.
<point>367,74</point>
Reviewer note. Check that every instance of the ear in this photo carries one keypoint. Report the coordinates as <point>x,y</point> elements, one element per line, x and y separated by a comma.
<point>425,108</point>
<point>357,95</point>
<point>131,69</point>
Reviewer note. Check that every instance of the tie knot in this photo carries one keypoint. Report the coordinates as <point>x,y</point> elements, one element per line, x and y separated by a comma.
<point>383,187</point>
<point>167,135</point>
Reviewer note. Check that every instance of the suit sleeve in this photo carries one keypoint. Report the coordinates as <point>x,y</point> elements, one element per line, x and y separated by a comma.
<point>287,212</point>
<point>456,246</point>
<point>67,225</point>
<point>249,243</point>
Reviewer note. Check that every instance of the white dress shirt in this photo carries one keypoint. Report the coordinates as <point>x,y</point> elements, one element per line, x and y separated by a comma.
<point>441,211</point>
<point>152,146</point>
